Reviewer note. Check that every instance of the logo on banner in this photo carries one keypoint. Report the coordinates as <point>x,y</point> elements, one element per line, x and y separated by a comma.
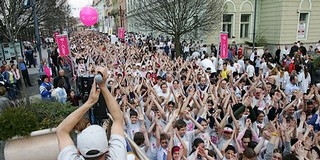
<point>63,45</point>
<point>121,33</point>
<point>224,45</point>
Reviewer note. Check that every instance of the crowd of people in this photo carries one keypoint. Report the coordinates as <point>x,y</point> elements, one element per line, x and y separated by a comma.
<point>197,107</point>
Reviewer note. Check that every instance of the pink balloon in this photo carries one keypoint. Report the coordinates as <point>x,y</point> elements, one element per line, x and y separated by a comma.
<point>89,16</point>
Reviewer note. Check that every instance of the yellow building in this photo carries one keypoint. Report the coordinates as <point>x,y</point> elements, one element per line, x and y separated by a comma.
<point>278,21</point>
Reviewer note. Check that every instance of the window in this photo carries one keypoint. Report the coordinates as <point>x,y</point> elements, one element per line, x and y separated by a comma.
<point>244,25</point>
<point>303,25</point>
<point>227,24</point>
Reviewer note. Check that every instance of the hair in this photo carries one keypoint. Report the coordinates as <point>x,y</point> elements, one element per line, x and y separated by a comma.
<point>249,153</point>
<point>61,83</point>
<point>133,113</point>
<point>138,138</point>
<point>230,147</point>
<point>247,134</point>
<point>180,124</point>
<point>163,136</point>
<point>195,144</point>
<point>292,77</point>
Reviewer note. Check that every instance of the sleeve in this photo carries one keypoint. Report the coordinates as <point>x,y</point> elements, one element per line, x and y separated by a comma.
<point>117,147</point>
<point>287,148</point>
<point>269,152</point>
<point>69,153</point>
<point>43,91</point>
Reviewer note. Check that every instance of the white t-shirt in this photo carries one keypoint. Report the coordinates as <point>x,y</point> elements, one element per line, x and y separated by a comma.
<point>188,140</point>
<point>250,70</point>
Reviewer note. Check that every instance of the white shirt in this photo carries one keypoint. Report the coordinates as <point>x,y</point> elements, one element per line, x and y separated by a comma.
<point>250,70</point>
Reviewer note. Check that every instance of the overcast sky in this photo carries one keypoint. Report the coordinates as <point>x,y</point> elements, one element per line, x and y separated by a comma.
<point>76,6</point>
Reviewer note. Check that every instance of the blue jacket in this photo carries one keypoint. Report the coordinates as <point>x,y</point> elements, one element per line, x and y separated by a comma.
<point>313,121</point>
<point>45,90</point>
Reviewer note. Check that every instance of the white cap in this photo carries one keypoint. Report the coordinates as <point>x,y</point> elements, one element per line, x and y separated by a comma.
<point>92,141</point>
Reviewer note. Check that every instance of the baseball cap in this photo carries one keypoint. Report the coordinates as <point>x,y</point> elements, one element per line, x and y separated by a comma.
<point>228,128</point>
<point>92,141</point>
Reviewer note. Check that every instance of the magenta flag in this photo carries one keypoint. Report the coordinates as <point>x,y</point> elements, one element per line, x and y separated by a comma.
<point>63,45</point>
<point>121,31</point>
<point>224,45</point>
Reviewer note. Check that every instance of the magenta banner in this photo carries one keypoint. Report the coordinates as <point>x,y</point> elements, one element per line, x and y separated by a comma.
<point>224,45</point>
<point>121,31</point>
<point>63,45</point>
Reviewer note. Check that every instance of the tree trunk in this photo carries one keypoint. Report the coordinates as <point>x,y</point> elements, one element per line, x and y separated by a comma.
<point>177,46</point>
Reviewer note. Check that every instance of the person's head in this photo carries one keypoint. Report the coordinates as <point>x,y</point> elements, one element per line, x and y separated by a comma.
<point>171,105</point>
<point>277,155</point>
<point>72,93</point>
<point>92,142</point>
<point>45,78</point>
<point>258,93</point>
<point>61,83</point>
<point>260,116</point>
<point>198,142</point>
<point>175,151</point>
<point>203,80</point>
<point>293,79</point>
<point>223,84</point>
<point>164,87</point>
<point>227,131</point>
<point>246,139</point>
<point>230,152</point>
<point>164,140</point>
<point>133,116</point>
<point>224,66</point>
<point>203,122</point>
<point>61,72</point>
<point>138,138</point>
<point>249,154</point>
<point>310,106</point>
<point>181,127</point>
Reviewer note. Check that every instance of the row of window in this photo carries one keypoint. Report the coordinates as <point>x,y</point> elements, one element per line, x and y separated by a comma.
<point>245,25</point>
<point>227,25</point>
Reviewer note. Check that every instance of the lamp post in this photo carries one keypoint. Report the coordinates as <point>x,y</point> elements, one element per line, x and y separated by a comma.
<point>32,3</point>
<point>36,28</point>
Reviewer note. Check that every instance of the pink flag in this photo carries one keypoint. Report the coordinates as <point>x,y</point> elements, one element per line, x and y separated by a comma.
<point>224,45</point>
<point>63,45</point>
<point>121,31</point>
<point>47,71</point>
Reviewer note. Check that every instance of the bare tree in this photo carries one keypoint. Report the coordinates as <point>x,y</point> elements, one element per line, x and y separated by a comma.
<point>14,18</point>
<point>179,17</point>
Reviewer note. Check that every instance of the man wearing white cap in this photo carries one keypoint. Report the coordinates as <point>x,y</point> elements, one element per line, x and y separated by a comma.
<point>92,141</point>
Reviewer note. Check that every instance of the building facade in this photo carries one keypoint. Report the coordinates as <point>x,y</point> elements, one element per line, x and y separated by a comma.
<point>277,21</point>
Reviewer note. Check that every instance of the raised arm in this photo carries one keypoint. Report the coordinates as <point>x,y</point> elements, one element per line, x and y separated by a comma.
<point>66,126</point>
<point>112,105</point>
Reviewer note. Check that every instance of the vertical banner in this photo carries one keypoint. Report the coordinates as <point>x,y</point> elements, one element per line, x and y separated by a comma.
<point>63,45</point>
<point>121,33</point>
<point>224,45</point>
